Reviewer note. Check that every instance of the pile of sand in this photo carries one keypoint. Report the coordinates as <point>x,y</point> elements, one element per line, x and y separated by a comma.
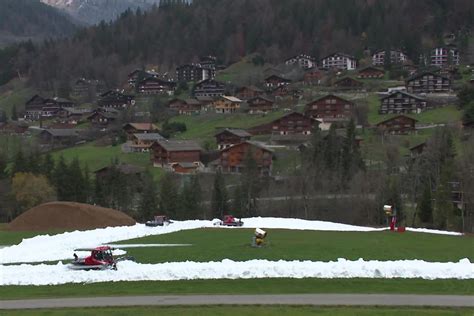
<point>69,216</point>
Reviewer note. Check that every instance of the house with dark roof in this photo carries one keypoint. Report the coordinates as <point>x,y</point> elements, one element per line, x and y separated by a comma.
<point>232,159</point>
<point>260,104</point>
<point>115,99</point>
<point>400,124</point>
<point>59,137</point>
<point>248,92</point>
<point>38,107</point>
<point>129,170</point>
<point>274,81</point>
<point>428,82</point>
<point>208,88</point>
<point>399,102</point>
<point>103,117</point>
<point>152,85</point>
<point>190,106</point>
<point>348,83</point>
<point>330,108</point>
<point>371,73</point>
<point>231,136</point>
<point>166,152</point>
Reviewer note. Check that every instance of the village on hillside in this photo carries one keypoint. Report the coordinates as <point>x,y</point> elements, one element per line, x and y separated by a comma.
<point>208,117</point>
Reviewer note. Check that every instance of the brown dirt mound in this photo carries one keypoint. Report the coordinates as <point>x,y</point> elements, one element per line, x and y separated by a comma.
<point>68,216</point>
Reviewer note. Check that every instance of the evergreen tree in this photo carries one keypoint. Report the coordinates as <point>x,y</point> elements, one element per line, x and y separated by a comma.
<point>3,166</point>
<point>14,114</point>
<point>425,208</point>
<point>331,149</point>
<point>87,185</point>
<point>99,196</point>
<point>61,180</point>
<point>76,185</point>
<point>219,202</point>
<point>34,162</point>
<point>20,163</point>
<point>148,205</point>
<point>168,196</point>
<point>250,185</point>
<point>190,199</point>
<point>387,62</point>
<point>47,166</point>
<point>238,201</point>
<point>3,116</point>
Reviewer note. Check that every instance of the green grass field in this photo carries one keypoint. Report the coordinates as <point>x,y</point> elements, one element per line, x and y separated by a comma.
<point>15,93</point>
<point>242,286</point>
<point>246,310</point>
<point>217,244</point>
<point>96,157</point>
<point>204,127</point>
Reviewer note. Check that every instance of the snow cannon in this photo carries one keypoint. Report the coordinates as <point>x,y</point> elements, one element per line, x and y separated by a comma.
<point>258,239</point>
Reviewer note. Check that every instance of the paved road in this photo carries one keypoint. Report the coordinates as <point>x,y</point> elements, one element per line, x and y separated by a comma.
<point>303,299</point>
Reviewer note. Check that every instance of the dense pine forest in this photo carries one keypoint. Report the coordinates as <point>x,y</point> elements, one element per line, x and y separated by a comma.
<point>178,32</point>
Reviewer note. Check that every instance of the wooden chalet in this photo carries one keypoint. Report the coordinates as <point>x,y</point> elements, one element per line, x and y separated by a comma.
<point>261,104</point>
<point>59,137</point>
<point>140,74</point>
<point>115,99</point>
<point>139,128</point>
<point>293,123</point>
<point>142,142</point>
<point>186,167</point>
<point>72,115</point>
<point>371,73</point>
<point>232,158</point>
<point>286,91</point>
<point>330,108</point>
<point>417,150</point>
<point>152,85</point>
<point>186,106</point>
<point>400,124</point>
<point>84,88</point>
<point>132,171</point>
<point>273,81</point>
<point>313,77</point>
<point>399,102</point>
<point>226,104</point>
<point>248,92</point>
<point>208,88</point>
<point>103,117</point>
<point>428,82</point>
<point>339,61</point>
<point>230,136</point>
<point>348,83</point>
<point>38,107</point>
<point>167,152</point>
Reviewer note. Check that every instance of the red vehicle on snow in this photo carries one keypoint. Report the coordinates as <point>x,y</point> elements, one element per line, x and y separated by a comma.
<point>230,220</point>
<point>101,258</point>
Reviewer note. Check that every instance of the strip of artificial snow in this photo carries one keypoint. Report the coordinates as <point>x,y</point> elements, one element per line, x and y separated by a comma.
<point>227,269</point>
<point>61,246</point>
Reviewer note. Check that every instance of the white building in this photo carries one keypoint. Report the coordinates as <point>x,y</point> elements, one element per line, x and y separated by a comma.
<point>339,61</point>
<point>304,61</point>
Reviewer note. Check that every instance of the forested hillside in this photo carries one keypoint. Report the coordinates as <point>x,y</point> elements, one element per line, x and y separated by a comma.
<point>178,32</point>
<point>94,11</point>
<point>31,19</point>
